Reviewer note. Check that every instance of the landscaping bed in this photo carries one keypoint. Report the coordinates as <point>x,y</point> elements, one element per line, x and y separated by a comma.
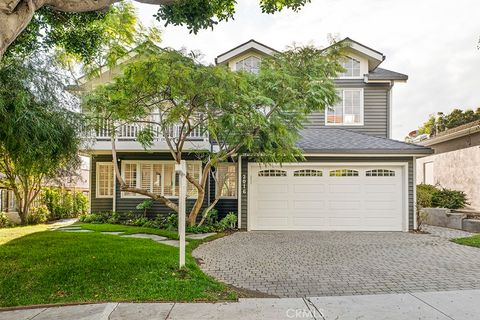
<point>50,267</point>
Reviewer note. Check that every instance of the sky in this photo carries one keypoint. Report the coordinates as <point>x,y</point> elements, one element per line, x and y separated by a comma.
<point>434,42</point>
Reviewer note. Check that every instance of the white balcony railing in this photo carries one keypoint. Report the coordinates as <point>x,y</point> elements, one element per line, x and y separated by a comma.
<point>130,131</point>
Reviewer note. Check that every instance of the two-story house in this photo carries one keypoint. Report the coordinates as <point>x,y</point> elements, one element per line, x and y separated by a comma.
<point>354,178</point>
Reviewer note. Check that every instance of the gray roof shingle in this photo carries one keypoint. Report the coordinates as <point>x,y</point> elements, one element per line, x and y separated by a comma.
<point>334,140</point>
<point>384,74</point>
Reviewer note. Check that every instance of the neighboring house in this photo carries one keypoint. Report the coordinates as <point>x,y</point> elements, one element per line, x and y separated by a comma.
<point>355,176</point>
<point>456,162</point>
<point>77,183</point>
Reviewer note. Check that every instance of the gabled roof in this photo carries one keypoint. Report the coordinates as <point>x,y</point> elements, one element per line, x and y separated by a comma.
<point>375,58</point>
<point>249,45</point>
<point>341,141</point>
<point>384,74</point>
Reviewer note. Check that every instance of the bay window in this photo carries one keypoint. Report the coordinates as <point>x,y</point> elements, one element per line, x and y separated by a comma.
<point>226,178</point>
<point>348,110</point>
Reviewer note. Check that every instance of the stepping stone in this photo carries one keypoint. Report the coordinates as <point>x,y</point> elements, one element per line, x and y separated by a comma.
<point>69,228</point>
<point>173,243</point>
<point>154,237</point>
<point>76,230</point>
<point>115,233</point>
<point>199,236</point>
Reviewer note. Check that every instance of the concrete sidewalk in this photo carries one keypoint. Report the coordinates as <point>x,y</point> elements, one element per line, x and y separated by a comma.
<point>458,305</point>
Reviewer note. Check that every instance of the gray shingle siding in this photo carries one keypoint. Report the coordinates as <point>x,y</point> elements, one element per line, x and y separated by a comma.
<point>376,100</point>
<point>372,160</point>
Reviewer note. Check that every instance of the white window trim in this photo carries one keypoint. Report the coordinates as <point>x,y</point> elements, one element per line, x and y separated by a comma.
<point>97,166</point>
<point>236,181</point>
<point>362,110</point>
<point>138,182</point>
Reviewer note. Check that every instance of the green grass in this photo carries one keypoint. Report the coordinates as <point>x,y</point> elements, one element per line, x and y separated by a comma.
<point>128,229</point>
<point>65,267</point>
<point>473,241</point>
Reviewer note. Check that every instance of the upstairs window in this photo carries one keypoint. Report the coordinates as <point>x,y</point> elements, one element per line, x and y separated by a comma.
<point>352,68</point>
<point>250,64</point>
<point>347,111</point>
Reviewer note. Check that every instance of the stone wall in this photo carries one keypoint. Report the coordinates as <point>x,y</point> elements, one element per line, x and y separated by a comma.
<point>458,170</point>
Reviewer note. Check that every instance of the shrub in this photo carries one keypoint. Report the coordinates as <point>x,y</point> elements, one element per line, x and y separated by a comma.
<point>4,221</point>
<point>451,199</point>
<point>101,217</point>
<point>145,205</point>
<point>170,222</point>
<point>424,195</point>
<point>64,204</point>
<point>137,222</point>
<point>38,215</point>
<point>229,222</point>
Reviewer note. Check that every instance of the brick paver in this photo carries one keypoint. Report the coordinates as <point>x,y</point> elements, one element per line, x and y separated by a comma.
<point>299,263</point>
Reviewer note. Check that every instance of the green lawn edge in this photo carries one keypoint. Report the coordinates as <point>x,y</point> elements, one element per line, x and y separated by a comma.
<point>54,267</point>
<point>472,241</point>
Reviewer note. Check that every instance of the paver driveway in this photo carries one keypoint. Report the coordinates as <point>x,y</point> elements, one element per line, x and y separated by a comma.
<point>296,263</point>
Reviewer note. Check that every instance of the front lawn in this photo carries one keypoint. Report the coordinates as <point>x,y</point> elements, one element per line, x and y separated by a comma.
<point>473,241</point>
<point>66,267</point>
<point>128,229</point>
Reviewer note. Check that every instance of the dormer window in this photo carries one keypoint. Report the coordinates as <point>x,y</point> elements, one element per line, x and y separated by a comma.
<point>352,68</point>
<point>250,64</point>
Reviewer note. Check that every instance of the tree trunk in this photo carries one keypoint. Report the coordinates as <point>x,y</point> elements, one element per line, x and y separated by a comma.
<point>192,217</point>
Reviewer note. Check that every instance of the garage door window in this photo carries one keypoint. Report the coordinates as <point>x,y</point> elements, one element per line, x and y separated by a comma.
<point>307,173</point>
<point>272,173</point>
<point>380,173</point>
<point>344,173</point>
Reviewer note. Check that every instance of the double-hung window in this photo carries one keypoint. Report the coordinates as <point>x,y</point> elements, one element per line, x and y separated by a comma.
<point>226,177</point>
<point>348,110</point>
<point>105,179</point>
<point>158,177</point>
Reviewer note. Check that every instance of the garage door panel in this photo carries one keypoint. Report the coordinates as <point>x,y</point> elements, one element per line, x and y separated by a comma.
<point>309,222</point>
<point>343,205</point>
<point>308,205</point>
<point>309,188</point>
<point>272,204</point>
<point>344,188</point>
<point>381,188</point>
<point>270,188</point>
<point>314,202</point>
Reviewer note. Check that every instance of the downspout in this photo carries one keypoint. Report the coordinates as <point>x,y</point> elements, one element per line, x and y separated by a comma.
<point>389,111</point>
<point>415,222</point>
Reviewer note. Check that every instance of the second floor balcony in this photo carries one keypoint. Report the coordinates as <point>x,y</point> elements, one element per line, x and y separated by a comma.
<point>126,137</point>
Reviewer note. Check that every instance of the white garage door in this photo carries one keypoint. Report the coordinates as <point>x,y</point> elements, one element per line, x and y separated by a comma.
<point>316,197</point>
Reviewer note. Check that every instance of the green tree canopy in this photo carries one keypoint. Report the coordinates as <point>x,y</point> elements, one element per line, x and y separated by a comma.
<point>79,26</point>
<point>442,122</point>
<point>39,136</point>
<point>256,114</point>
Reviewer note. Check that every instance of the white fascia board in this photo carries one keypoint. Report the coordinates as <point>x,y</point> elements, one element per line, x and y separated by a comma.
<point>247,46</point>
